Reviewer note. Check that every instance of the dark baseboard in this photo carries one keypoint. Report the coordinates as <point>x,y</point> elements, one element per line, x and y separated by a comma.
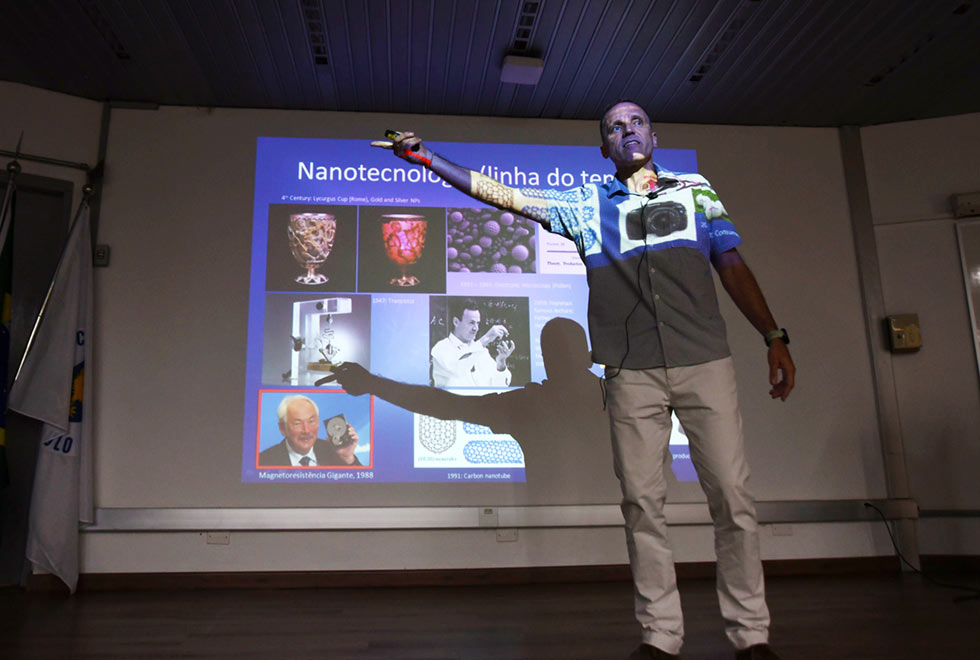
<point>951,563</point>
<point>463,577</point>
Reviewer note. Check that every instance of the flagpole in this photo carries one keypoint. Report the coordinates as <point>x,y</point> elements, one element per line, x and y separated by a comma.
<point>86,193</point>
<point>13,169</point>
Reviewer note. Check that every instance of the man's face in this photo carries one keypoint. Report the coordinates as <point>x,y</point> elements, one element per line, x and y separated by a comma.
<point>466,328</point>
<point>300,426</point>
<point>627,135</point>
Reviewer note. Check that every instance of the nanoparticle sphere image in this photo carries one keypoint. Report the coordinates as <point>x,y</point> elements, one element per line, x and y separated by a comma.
<point>490,241</point>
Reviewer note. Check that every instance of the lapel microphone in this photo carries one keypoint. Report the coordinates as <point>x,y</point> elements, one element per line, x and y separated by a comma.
<point>662,185</point>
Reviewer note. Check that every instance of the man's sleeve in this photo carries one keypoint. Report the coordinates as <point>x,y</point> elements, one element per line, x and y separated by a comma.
<point>722,235</point>
<point>488,372</point>
<point>567,211</point>
<point>441,370</point>
<point>500,378</point>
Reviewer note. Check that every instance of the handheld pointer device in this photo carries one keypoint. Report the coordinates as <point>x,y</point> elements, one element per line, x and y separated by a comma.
<point>391,135</point>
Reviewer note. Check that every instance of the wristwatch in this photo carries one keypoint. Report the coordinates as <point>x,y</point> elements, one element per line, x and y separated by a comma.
<point>777,334</point>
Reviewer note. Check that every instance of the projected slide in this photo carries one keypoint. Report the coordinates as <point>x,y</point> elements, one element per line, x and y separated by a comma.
<point>360,257</point>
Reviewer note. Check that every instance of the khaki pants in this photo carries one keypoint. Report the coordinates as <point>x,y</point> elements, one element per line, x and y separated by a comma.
<point>705,400</point>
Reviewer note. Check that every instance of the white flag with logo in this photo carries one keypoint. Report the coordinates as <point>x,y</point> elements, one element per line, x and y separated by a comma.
<point>55,387</point>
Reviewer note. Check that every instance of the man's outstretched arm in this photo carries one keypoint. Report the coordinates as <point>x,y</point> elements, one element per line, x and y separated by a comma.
<point>744,290</point>
<point>479,186</point>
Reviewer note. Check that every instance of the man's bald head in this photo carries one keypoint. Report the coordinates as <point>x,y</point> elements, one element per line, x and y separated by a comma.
<point>628,139</point>
<point>605,112</point>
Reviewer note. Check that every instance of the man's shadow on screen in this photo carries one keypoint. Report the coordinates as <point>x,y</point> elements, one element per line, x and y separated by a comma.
<point>560,423</point>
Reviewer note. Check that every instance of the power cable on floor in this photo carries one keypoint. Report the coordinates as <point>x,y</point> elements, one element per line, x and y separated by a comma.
<point>974,592</point>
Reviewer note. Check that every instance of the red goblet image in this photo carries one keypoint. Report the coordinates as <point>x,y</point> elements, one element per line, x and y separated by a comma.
<point>404,238</point>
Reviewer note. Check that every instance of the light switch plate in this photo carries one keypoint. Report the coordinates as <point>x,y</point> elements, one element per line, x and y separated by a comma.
<point>100,258</point>
<point>903,332</point>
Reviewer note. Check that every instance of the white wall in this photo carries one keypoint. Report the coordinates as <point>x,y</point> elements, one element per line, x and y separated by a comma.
<point>177,208</point>
<point>54,126</point>
<point>177,211</point>
<point>784,189</point>
<point>913,168</point>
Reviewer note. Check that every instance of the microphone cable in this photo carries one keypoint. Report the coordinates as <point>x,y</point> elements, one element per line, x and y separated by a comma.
<point>662,184</point>
<point>640,263</point>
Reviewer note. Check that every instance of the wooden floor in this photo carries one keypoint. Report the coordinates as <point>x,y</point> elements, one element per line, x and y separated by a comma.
<point>866,617</point>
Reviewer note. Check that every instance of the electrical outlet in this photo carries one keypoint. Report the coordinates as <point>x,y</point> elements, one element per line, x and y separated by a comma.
<point>219,538</point>
<point>488,516</point>
<point>506,535</point>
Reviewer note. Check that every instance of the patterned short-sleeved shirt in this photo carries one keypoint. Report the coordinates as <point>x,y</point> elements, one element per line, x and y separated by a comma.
<point>652,299</point>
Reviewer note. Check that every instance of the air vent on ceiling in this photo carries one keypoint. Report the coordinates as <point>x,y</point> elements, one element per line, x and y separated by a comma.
<point>723,42</point>
<point>101,23</point>
<point>316,30</point>
<point>916,48</point>
<point>524,30</point>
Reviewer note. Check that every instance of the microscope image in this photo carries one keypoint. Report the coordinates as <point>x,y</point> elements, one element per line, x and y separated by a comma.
<point>316,349</point>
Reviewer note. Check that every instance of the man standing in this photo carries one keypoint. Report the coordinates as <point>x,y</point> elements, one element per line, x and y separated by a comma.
<point>299,423</point>
<point>462,360</point>
<point>648,239</point>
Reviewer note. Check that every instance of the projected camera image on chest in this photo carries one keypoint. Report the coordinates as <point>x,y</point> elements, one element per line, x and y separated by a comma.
<point>650,222</point>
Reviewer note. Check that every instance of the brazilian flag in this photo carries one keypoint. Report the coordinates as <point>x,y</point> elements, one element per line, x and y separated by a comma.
<point>6,262</point>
